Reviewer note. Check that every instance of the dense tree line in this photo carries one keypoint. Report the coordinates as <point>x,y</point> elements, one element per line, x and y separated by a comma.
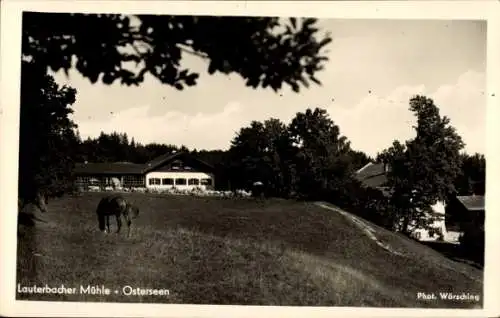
<point>309,158</point>
<point>116,147</point>
<point>288,159</point>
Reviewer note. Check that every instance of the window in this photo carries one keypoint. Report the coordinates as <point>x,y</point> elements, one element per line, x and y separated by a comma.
<point>154,181</point>
<point>176,165</point>
<point>194,182</point>
<point>167,181</point>
<point>83,180</point>
<point>207,182</point>
<point>134,181</point>
<point>180,181</point>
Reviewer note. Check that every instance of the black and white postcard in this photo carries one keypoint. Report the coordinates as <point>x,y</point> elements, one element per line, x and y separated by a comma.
<point>249,158</point>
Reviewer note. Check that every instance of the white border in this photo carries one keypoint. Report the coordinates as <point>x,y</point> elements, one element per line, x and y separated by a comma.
<point>9,116</point>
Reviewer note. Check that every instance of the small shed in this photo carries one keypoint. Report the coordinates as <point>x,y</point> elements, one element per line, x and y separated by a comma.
<point>465,211</point>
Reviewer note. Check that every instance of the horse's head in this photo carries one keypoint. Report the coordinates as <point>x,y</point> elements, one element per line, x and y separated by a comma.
<point>132,210</point>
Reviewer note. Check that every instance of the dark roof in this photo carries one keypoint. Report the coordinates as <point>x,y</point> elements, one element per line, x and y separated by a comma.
<point>472,202</point>
<point>161,160</point>
<point>372,175</point>
<point>108,168</point>
<point>130,168</point>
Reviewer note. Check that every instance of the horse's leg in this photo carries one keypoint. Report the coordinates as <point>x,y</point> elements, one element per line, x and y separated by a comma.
<point>129,224</point>
<point>118,222</point>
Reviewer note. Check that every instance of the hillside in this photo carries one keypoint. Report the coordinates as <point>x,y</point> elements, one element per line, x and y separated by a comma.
<point>221,251</point>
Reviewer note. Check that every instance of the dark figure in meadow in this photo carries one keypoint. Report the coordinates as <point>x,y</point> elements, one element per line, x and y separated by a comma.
<point>27,207</point>
<point>116,205</point>
<point>39,200</point>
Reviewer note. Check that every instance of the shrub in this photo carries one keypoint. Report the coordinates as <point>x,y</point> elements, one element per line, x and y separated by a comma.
<point>472,244</point>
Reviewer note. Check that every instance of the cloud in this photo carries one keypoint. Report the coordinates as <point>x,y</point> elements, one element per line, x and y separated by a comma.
<point>465,104</point>
<point>201,131</point>
<point>376,121</point>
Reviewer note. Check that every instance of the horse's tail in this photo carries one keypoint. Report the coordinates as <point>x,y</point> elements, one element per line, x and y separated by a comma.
<point>101,218</point>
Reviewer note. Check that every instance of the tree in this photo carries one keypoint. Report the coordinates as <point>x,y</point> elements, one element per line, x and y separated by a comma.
<point>263,152</point>
<point>265,51</point>
<point>322,152</point>
<point>358,159</point>
<point>47,137</point>
<point>423,170</point>
<point>221,161</point>
<point>473,175</point>
<point>396,158</point>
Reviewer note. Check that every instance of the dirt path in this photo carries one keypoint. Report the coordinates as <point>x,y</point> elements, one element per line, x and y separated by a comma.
<point>363,226</point>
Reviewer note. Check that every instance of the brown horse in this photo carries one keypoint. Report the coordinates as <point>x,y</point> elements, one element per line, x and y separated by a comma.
<point>116,205</point>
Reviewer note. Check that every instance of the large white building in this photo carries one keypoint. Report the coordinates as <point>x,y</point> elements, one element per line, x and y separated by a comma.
<point>174,170</point>
<point>179,171</point>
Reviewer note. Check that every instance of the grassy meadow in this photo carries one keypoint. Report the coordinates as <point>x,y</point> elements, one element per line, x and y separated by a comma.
<point>233,251</point>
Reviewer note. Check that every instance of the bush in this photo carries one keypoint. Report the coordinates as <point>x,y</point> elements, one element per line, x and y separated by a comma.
<point>370,204</point>
<point>472,244</point>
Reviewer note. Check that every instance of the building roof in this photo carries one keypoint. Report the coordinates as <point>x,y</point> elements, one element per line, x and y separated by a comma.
<point>158,161</point>
<point>108,168</point>
<point>161,160</point>
<point>372,175</point>
<point>119,168</point>
<point>472,202</point>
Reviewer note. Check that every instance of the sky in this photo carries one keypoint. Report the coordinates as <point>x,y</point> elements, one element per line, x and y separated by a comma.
<point>375,67</point>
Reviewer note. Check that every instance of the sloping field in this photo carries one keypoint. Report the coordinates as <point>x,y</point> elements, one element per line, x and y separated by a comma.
<point>245,251</point>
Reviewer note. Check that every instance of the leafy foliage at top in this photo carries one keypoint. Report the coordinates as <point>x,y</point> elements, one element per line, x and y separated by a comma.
<point>307,158</point>
<point>265,51</point>
<point>263,152</point>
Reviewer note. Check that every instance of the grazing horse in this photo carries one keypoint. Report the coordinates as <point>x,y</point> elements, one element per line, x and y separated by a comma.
<point>116,205</point>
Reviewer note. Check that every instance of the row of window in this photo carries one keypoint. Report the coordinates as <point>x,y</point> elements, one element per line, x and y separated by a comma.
<point>180,181</point>
<point>126,180</point>
<point>139,181</point>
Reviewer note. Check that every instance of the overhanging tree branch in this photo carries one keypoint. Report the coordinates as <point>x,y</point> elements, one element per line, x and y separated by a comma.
<point>249,46</point>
